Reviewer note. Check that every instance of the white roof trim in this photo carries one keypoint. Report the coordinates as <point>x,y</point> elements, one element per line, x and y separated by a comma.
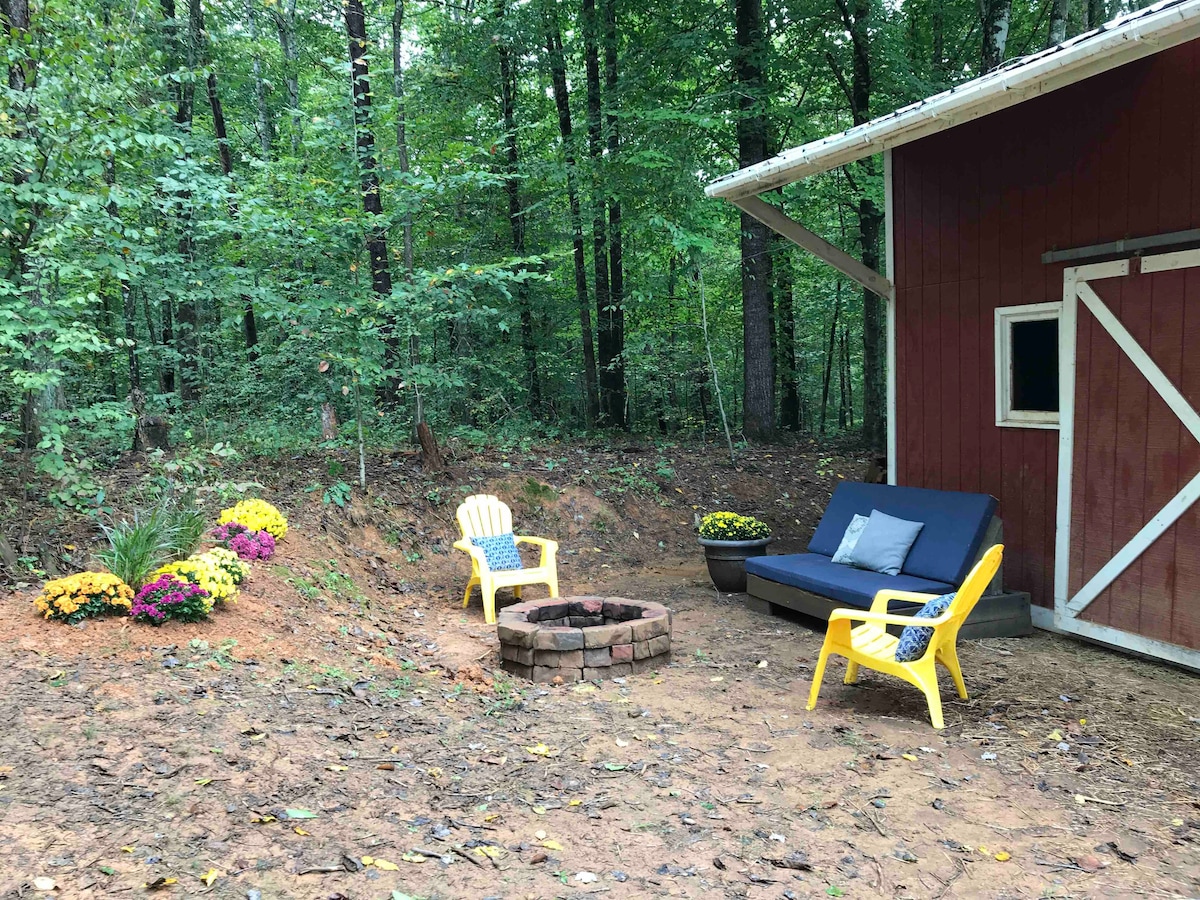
<point>1144,33</point>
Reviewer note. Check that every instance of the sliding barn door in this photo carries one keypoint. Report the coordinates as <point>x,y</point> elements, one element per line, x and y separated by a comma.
<point>1127,560</point>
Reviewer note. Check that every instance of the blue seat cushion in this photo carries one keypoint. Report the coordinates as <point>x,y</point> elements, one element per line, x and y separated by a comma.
<point>954,525</point>
<point>821,575</point>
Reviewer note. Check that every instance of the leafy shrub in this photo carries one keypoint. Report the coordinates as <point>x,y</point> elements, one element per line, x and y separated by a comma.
<point>245,543</point>
<point>229,561</point>
<point>171,597</point>
<point>729,526</point>
<point>82,596</point>
<point>256,515</point>
<point>137,548</point>
<point>204,572</point>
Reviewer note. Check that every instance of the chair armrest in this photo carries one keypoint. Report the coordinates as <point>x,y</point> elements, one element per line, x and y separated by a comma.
<point>878,618</point>
<point>549,547</point>
<point>886,596</point>
<point>477,554</point>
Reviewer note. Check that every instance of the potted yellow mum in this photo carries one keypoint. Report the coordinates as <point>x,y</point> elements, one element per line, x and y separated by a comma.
<point>729,539</point>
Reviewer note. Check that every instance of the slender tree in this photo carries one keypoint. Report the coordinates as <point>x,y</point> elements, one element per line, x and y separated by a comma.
<point>996,16</point>
<point>750,51</point>
<point>605,344</point>
<point>405,166</point>
<point>284,14</point>
<point>516,212</point>
<point>562,102</point>
<point>376,236</point>
<point>615,395</point>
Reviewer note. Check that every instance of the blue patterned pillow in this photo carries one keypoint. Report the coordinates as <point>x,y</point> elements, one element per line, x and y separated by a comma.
<point>500,550</point>
<point>914,639</point>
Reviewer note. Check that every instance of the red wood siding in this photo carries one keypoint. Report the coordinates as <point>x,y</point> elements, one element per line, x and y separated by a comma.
<point>975,207</point>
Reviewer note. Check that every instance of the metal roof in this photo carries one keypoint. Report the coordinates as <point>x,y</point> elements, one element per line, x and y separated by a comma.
<point>1125,39</point>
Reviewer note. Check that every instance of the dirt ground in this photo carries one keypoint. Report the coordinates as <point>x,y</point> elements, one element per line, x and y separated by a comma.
<point>348,709</point>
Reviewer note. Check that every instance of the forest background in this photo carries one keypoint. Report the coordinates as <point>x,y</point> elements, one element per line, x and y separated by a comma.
<point>221,218</point>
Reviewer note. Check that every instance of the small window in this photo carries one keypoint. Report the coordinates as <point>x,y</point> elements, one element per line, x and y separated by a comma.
<point>1027,365</point>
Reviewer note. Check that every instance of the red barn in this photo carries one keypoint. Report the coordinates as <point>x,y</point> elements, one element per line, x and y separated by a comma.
<point>1043,299</point>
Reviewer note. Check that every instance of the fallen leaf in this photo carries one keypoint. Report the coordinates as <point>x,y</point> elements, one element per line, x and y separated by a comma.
<point>579,802</point>
<point>552,845</point>
<point>159,883</point>
<point>300,814</point>
<point>614,767</point>
<point>489,851</point>
<point>909,756</point>
<point>539,810</point>
<point>1055,735</point>
<point>1002,856</point>
<point>301,831</point>
<point>126,849</point>
<point>210,876</point>
<point>543,750</point>
<point>368,860</point>
<point>392,867</point>
<point>203,781</point>
<point>583,688</point>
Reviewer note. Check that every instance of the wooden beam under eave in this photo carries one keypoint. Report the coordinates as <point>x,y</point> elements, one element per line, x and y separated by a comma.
<point>777,220</point>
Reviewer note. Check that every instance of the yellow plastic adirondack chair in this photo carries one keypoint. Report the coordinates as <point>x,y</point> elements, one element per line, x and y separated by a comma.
<point>485,515</point>
<point>870,645</point>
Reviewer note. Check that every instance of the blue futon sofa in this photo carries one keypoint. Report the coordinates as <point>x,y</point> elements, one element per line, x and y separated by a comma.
<point>958,528</point>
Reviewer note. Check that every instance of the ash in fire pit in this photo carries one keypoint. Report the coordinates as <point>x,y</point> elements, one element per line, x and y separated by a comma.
<point>584,638</point>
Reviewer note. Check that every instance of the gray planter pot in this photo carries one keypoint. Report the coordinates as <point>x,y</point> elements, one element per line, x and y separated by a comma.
<point>727,561</point>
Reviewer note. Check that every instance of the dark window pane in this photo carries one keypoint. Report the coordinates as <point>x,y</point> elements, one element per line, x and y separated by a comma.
<point>1035,365</point>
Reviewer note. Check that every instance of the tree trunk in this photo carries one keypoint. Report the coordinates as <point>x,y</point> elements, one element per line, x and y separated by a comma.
<point>995,20</point>
<point>284,15</point>
<point>22,74</point>
<point>516,212</point>
<point>558,81</point>
<point>870,226</point>
<point>414,339</point>
<point>616,400</point>
<point>1059,11</point>
<point>833,330</point>
<point>789,404</point>
<point>376,237</point>
<point>186,335</point>
<point>249,322</point>
<point>748,59</point>
<point>1097,13</point>
<point>843,380</point>
<point>606,353</point>
<point>266,127</point>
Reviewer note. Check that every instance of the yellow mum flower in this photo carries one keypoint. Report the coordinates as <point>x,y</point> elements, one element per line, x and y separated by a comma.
<point>257,515</point>
<point>82,595</point>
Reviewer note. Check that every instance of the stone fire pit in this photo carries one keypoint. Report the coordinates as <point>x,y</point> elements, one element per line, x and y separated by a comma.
<point>583,638</point>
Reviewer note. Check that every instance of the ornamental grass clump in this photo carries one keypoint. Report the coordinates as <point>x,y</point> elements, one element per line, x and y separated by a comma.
<point>171,597</point>
<point>247,544</point>
<point>204,572</point>
<point>136,548</point>
<point>83,596</point>
<point>729,526</point>
<point>256,515</point>
<point>228,561</point>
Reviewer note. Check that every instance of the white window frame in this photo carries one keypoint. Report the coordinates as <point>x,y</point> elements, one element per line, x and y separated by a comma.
<point>1006,416</point>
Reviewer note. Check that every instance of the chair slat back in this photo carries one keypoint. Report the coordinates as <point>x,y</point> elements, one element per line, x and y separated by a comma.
<point>972,589</point>
<point>484,515</point>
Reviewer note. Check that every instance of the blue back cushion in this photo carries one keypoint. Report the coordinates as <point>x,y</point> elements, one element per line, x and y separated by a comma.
<point>500,550</point>
<point>914,639</point>
<point>955,524</point>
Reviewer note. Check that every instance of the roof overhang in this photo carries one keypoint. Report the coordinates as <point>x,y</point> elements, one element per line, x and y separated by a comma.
<point>1132,37</point>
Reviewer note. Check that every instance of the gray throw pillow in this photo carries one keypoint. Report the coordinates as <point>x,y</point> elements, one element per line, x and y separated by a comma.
<point>853,531</point>
<point>884,543</point>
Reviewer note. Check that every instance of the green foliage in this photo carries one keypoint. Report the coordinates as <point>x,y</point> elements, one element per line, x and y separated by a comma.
<point>134,265</point>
